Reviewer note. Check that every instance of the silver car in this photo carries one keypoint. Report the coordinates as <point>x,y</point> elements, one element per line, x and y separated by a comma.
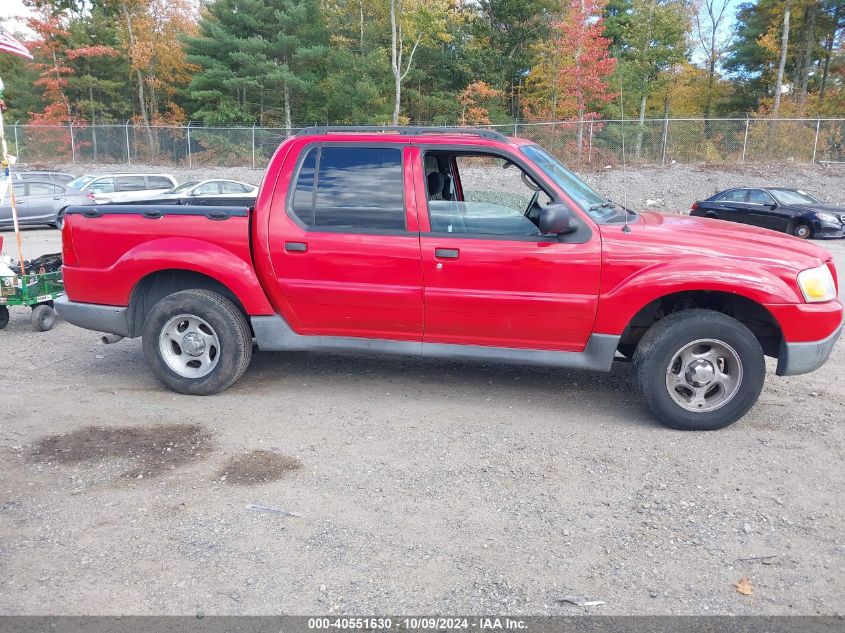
<point>41,203</point>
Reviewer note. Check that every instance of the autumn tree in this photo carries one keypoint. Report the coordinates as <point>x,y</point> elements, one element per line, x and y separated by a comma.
<point>475,100</point>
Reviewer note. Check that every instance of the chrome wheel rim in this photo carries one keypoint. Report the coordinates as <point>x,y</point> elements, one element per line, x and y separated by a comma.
<point>802,231</point>
<point>189,346</point>
<point>704,375</point>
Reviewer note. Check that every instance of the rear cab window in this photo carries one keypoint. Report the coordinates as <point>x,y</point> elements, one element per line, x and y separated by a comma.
<point>350,189</point>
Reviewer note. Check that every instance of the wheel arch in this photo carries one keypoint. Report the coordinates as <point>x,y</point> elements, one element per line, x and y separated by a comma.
<point>747,311</point>
<point>158,284</point>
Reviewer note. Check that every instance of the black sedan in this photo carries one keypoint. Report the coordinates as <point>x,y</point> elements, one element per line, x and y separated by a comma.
<point>787,210</point>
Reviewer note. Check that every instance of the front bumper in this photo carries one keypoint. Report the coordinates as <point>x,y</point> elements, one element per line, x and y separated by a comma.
<point>828,230</point>
<point>91,316</point>
<point>802,358</point>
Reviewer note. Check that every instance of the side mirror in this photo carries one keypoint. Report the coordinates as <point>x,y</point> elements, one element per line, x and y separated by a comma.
<point>555,219</point>
<point>772,205</point>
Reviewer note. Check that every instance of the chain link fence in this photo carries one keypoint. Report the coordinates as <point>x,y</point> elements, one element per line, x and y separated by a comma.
<point>585,144</point>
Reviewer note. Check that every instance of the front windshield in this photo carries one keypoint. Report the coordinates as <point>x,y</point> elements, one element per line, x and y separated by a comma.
<point>79,183</point>
<point>600,209</point>
<point>793,196</point>
<point>184,186</point>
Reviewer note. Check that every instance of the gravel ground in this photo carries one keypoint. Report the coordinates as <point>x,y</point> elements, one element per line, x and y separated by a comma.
<point>418,486</point>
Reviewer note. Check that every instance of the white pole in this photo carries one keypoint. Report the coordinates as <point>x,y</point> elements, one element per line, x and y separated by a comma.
<point>816,142</point>
<point>745,140</point>
<point>590,150</point>
<point>253,145</point>
<point>72,144</point>
<point>8,161</point>
<point>190,160</point>
<point>665,139</point>
<point>126,131</point>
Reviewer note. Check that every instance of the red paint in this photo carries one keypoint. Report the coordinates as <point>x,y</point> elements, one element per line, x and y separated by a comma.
<point>498,292</point>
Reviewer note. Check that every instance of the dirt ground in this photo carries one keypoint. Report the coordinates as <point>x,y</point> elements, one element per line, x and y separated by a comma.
<point>372,485</point>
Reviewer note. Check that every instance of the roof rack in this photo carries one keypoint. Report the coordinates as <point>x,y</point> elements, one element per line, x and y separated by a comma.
<point>404,130</point>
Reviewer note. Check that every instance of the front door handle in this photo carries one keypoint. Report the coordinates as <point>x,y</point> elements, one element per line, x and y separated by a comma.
<point>446,253</point>
<point>296,247</point>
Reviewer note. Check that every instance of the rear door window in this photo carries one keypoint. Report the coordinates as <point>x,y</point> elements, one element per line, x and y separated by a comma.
<point>41,189</point>
<point>102,185</point>
<point>131,183</point>
<point>232,187</point>
<point>207,189</point>
<point>352,188</point>
<point>735,195</point>
<point>758,196</point>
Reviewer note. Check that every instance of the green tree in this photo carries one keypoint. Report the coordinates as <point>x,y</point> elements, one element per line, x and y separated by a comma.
<point>258,58</point>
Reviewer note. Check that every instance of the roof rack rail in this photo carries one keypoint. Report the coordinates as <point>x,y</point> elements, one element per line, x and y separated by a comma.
<point>404,130</point>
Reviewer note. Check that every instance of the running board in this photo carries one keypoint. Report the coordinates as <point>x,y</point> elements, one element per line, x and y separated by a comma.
<point>273,334</point>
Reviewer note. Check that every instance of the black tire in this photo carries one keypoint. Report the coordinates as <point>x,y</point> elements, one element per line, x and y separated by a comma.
<point>4,317</point>
<point>658,348</point>
<point>227,323</point>
<point>43,318</point>
<point>802,230</point>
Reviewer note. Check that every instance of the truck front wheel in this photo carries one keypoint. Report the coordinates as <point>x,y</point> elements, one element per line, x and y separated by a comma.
<point>197,342</point>
<point>699,370</point>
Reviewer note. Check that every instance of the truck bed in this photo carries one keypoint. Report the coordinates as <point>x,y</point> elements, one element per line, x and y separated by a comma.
<point>108,248</point>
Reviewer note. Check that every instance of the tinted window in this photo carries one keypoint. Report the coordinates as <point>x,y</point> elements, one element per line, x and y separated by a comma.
<point>356,188</point>
<point>735,195</point>
<point>131,183</point>
<point>41,189</point>
<point>758,196</point>
<point>159,182</point>
<point>20,189</point>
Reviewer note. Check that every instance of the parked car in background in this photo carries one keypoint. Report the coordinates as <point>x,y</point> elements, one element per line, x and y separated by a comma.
<point>41,203</point>
<point>210,189</point>
<point>43,175</point>
<point>122,187</point>
<point>465,245</point>
<point>781,209</point>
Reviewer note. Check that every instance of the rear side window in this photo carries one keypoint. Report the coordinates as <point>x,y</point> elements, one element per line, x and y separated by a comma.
<point>735,195</point>
<point>207,189</point>
<point>159,182</point>
<point>355,188</point>
<point>131,183</point>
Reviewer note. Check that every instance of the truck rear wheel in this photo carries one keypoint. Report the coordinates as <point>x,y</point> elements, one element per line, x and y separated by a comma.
<point>197,342</point>
<point>699,370</point>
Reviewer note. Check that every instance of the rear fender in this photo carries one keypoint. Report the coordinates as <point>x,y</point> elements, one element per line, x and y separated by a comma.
<point>194,255</point>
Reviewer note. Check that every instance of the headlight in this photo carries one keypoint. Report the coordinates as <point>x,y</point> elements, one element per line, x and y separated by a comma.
<point>827,217</point>
<point>817,284</point>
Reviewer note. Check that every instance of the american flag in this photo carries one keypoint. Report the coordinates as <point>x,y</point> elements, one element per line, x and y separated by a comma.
<point>9,44</point>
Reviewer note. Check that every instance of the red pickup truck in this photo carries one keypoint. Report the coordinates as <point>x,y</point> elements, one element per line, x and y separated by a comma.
<point>460,244</point>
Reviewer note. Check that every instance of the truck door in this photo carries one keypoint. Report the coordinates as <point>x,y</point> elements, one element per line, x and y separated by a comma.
<point>490,277</point>
<point>345,246</point>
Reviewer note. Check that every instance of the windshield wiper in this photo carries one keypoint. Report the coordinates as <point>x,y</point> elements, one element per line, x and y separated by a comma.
<point>610,204</point>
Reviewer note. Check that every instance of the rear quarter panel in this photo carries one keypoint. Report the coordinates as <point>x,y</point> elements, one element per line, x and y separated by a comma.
<point>114,252</point>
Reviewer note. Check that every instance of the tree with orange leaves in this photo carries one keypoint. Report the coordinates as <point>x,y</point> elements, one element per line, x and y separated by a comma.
<point>476,99</point>
<point>571,78</point>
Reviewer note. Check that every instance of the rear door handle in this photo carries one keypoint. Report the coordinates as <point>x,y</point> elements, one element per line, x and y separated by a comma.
<point>296,247</point>
<point>446,253</point>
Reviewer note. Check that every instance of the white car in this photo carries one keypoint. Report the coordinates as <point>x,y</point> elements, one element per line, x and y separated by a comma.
<point>215,188</point>
<point>124,187</point>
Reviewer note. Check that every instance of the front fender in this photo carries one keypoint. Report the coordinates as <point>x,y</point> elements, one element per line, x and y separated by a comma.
<point>621,303</point>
